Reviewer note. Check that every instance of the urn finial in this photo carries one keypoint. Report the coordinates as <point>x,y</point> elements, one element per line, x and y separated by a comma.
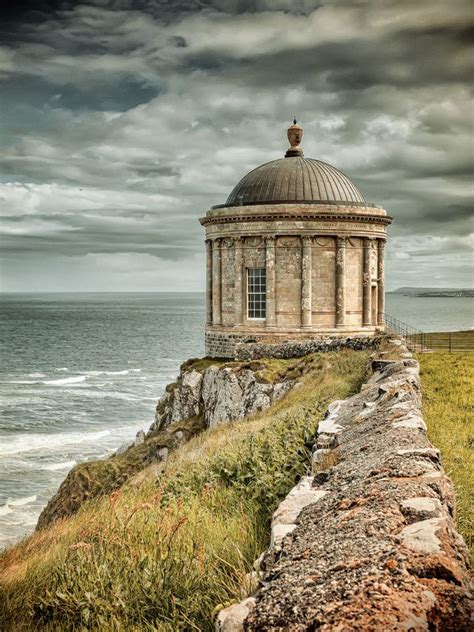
<point>295,135</point>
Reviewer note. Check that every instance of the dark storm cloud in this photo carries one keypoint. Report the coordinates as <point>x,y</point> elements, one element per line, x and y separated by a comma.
<point>122,121</point>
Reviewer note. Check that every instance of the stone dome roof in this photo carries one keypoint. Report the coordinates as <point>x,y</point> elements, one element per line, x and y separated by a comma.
<point>295,179</point>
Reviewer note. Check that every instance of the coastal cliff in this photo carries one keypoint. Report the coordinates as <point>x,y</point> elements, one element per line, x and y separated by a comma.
<point>205,394</point>
<point>330,474</point>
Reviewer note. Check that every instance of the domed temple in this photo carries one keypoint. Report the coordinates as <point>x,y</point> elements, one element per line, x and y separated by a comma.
<point>295,253</point>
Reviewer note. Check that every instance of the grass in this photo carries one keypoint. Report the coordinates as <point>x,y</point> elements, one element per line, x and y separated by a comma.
<point>163,555</point>
<point>447,381</point>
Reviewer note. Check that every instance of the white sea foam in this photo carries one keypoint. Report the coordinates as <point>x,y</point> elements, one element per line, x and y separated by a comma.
<point>94,373</point>
<point>30,442</point>
<point>62,368</point>
<point>21,382</point>
<point>36,375</point>
<point>4,510</point>
<point>59,466</point>
<point>19,502</point>
<point>67,380</point>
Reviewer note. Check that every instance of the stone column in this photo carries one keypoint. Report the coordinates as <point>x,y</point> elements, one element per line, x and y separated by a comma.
<point>306,269</point>
<point>381,282</point>
<point>238,276</point>
<point>270,271</point>
<point>216,282</point>
<point>366,284</point>
<point>340,281</point>
<point>208,281</point>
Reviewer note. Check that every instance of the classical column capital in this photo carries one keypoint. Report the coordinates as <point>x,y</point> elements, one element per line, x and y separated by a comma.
<point>341,242</point>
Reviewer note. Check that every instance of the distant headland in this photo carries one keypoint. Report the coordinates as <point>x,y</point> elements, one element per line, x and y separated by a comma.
<point>432,291</point>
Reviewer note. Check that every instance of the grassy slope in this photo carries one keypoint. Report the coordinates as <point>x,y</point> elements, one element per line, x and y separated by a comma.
<point>448,382</point>
<point>163,556</point>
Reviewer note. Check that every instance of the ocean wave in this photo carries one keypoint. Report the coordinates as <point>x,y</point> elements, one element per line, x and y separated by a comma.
<point>36,375</point>
<point>30,442</point>
<point>19,502</point>
<point>4,510</point>
<point>21,382</point>
<point>67,380</point>
<point>59,466</point>
<point>123,372</point>
<point>62,368</point>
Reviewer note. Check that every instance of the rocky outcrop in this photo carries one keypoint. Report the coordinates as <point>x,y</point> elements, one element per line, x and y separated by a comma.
<point>204,395</point>
<point>368,540</point>
<point>220,393</point>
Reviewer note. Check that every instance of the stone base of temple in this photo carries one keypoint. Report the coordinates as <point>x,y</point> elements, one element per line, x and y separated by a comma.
<point>225,342</point>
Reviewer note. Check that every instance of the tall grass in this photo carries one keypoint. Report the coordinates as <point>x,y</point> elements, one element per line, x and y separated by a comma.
<point>448,384</point>
<point>162,555</point>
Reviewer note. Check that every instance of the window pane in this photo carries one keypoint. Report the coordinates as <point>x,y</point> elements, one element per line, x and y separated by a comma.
<point>257,292</point>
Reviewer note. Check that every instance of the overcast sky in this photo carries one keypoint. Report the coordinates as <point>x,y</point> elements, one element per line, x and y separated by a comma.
<point>122,121</point>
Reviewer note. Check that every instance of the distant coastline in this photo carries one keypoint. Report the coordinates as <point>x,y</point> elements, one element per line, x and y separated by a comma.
<point>434,292</point>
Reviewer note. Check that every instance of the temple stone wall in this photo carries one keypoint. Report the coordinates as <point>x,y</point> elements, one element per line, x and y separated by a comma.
<point>288,282</point>
<point>324,277</point>
<point>354,275</point>
<point>324,282</point>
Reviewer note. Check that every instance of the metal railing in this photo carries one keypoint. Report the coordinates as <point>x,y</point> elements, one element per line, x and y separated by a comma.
<point>421,342</point>
<point>414,338</point>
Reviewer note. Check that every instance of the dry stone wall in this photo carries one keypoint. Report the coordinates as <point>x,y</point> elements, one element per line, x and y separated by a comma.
<point>367,541</point>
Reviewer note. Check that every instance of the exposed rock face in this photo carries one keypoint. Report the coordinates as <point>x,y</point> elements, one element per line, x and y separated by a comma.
<point>369,541</point>
<point>198,399</point>
<point>219,394</point>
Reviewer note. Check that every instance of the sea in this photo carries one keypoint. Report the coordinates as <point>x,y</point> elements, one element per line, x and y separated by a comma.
<point>81,374</point>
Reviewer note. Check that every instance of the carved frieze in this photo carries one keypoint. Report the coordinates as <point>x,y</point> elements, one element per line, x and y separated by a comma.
<point>353,242</point>
<point>289,242</point>
<point>324,242</point>
<point>227,242</point>
<point>254,242</point>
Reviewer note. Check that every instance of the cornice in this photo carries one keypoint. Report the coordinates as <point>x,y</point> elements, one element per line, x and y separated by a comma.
<point>292,216</point>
